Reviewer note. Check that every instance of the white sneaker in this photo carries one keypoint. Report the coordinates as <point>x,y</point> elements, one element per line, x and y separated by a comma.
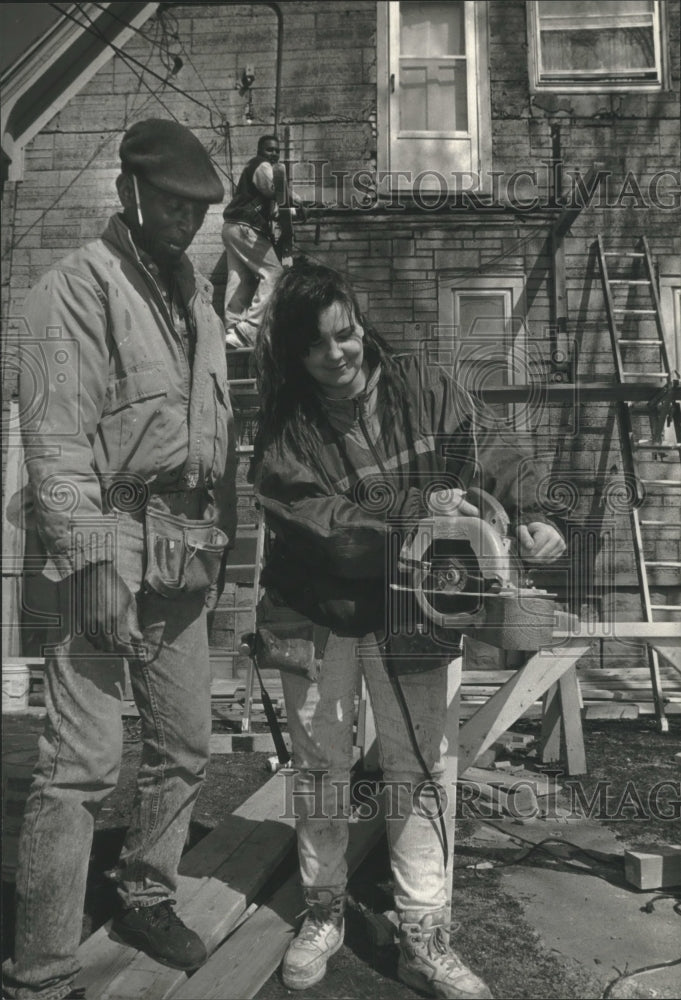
<point>235,338</point>
<point>428,964</point>
<point>320,937</point>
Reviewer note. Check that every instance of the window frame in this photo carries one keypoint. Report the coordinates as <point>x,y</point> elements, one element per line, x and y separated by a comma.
<point>512,286</point>
<point>583,82</point>
<point>479,131</point>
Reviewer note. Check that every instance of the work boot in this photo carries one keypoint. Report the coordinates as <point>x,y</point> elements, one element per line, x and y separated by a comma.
<point>318,939</point>
<point>428,964</point>
<point>158,931</point>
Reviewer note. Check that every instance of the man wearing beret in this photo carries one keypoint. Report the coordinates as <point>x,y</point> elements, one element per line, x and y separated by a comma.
<point>132,480</point>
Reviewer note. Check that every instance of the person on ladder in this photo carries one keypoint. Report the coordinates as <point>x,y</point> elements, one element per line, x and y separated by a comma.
<point>251,243</point>
<point>352,437</point>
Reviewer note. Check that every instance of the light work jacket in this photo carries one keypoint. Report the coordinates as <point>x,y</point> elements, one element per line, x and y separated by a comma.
<point>109,400</point>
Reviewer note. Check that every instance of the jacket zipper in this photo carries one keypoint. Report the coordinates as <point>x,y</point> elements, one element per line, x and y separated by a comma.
<point>372,448</point>
<point>166,312</point>
<point>193,478</point>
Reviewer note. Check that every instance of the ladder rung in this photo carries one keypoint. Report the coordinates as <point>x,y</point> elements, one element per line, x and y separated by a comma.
<point>629,281</point>
<point>637,312</point>
<point>646,374</point>
<point>674,565</point>
<point>628,340</point>
<point>628,253</point>
<point>665,607</point>
<point>661,482</point>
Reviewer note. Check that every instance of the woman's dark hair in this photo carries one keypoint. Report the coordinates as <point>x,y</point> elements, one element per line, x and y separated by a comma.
<point>291,413</point>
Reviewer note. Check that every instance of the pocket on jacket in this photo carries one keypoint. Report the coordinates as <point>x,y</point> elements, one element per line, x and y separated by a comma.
<point>144,383</point>
<point>136,426</point>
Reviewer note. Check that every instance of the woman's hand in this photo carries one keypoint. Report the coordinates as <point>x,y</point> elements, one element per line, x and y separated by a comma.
<point>449,502</point>
<point>540,543</point>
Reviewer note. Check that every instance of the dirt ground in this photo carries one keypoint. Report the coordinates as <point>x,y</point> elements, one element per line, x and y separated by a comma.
<point>524,941</point>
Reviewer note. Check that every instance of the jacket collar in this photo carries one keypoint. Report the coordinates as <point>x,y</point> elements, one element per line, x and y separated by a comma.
<point>118,235</point>
<point>343,413</point>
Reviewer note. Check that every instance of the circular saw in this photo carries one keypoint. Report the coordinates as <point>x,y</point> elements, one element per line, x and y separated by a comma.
<point>464,575</point>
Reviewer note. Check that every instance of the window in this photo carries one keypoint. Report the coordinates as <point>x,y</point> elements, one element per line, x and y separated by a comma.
<point>480,322</point>
<point>433,93</point>
<point>588,45</point>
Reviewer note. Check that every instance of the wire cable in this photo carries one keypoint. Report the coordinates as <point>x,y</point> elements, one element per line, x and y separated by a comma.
<point>93,30</point>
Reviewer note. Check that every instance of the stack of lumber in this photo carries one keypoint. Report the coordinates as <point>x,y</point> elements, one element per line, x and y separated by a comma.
<point>619,692</point>
<point>226,893</point>
<point>626,692</point>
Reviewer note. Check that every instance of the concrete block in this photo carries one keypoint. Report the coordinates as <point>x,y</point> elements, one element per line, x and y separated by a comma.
<point>655,869</point>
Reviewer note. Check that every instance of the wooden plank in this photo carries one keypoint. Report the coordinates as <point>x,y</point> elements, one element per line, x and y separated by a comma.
<point>221,743</point>
<point>540,784</point>
<point>636,633</point>
<point>511,701</point>
<point>609,710</point>
<point>218,879</point>
<point>241,966</point>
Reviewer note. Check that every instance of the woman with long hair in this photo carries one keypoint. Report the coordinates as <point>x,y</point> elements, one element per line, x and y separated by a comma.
<point>355,445</point>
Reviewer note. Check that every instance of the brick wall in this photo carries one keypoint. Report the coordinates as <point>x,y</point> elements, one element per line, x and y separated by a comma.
<point>328,105</point>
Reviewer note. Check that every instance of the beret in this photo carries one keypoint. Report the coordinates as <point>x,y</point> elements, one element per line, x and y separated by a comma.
<point>169,156</point>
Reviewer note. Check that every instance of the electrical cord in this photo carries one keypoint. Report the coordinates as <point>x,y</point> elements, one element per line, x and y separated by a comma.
<point>607,993</point>
<point>647,908</point>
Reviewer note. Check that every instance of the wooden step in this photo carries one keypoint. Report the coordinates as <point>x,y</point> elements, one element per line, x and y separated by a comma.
<point>218,880</point>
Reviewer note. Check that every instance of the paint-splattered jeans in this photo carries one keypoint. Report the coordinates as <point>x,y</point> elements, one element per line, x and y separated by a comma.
<point>78,766</point>
<point>320,718</point>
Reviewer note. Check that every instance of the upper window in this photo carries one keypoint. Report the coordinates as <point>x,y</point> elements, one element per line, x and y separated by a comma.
<point>589,45</point>
<point>433,93</point>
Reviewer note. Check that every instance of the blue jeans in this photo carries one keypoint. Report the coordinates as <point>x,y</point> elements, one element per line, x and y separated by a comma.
<point>319,718</point>
<point>79,760</point>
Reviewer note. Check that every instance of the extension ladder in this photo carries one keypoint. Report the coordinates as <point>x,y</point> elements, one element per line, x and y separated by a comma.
<point>250,534</point>
<point>651,429</point>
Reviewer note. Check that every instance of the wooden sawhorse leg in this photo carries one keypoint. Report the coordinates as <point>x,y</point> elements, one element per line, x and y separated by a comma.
<point>561,729</point>
<point>506,706</point>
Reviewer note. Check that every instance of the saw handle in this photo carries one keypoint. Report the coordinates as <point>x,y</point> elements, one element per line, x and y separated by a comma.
<point>491,510</point>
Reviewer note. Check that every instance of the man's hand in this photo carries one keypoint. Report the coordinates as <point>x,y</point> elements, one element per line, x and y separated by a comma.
<point>109,611</point>
<point>540,543</point>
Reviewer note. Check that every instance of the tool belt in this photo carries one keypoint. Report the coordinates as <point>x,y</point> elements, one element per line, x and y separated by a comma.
<point>288,641</point>
<point>183,555</point>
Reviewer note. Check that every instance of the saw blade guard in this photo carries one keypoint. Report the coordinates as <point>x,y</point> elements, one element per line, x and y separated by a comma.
<point>453,563</point>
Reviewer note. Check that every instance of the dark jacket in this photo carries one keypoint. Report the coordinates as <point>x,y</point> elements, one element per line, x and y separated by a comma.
<point>340,517</point>
<point>249,204</point>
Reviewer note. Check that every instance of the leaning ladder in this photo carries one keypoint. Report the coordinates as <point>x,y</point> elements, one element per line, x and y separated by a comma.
<point>653,428</point>
<point>244,397</point>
